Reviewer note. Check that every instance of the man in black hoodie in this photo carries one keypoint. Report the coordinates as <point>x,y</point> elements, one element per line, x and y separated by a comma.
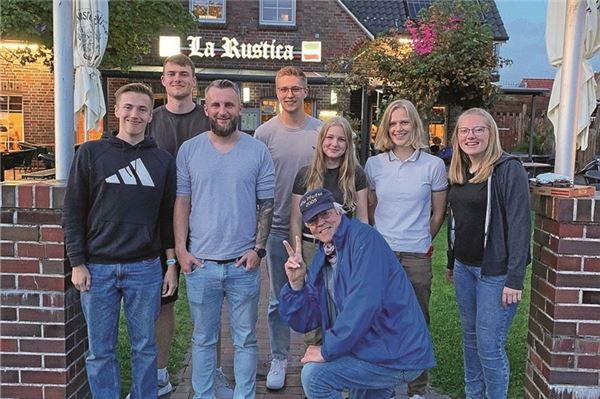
<point>118,217</point>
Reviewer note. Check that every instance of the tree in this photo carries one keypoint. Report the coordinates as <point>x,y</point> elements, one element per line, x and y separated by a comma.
<point>133,24</point>
<point>449,59</point>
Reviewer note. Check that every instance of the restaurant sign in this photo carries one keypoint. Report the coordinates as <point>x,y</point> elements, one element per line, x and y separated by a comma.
<point>231,48</point>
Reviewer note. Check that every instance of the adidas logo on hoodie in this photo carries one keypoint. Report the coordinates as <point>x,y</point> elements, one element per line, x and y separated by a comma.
<point>127,175</point>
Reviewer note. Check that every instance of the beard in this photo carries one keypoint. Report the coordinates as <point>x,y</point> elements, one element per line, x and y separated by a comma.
<point>224,131</point>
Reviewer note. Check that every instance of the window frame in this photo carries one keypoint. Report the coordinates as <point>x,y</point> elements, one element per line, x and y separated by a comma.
<point>192,4</point>
<point>291,22</point>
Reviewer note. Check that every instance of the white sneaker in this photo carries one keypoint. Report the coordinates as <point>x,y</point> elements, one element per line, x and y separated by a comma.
<point>276,376</point>
<point>221,386</point>
<point>164,385</point>
<point>417,397</point>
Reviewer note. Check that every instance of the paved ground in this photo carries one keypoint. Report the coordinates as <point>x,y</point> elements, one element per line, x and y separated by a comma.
<point>293,388</point>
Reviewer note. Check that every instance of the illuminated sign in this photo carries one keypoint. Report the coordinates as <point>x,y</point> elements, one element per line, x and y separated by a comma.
<point>231,48</point>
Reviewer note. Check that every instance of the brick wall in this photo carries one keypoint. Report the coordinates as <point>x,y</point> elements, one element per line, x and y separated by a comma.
<point>42,330</point>
<point>322,20</point>
<point>35,84</point>
<point>564,320</point>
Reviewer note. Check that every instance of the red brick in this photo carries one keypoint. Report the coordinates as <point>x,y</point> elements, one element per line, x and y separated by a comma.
<point>588,362</point>
<point>53,267</point>
<point>7,249</point>
<point>42,345</point>
<point>591,265</point>
<point>8,345</point>
<point>42,196</point>
<point>9,376</point>
<point>584,210</point>
<point>562,209</point>
<point>55,362</point>
<point>571,230</point>
<point>589,329</point>
<point>19,299</point>
<point>578,247</point>
<point>588,346</point>
<point>548,257</point>
<point>8,196</point>
<point>568,263</point>
<point>41,315</point>
<point>38,217</point>
<point>8,314</point>
<point>53,300</point>
<point>6,216</point>
<point>43,377</point>
<point>20,233</point>
<point>25,196</point>
<point>52,234</point>
<point>20,330</point>
<point>42,283</point>
<point>573,378</point>
<point>574,312</point>
<point>54,331</point>
<point>560,344</point>
<point>55,251</point>
<point>20,360</point>
<point>578,280</point>
<point>21,391</point>
<point>19,266</point>
<point>30,250</point>
<point>8,281</point>
<point>593,231</point>
<point>55,392</point>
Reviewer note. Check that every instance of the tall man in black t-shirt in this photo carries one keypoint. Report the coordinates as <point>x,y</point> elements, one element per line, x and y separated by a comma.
<point>172,124</point>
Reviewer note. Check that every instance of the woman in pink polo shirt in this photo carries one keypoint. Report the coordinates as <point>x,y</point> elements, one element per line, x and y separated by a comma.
<point>407,200</point>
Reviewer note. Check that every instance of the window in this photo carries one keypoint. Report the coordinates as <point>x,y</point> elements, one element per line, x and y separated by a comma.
<point>269,107</point>
<point>11,122</point>
<point>208,10</point>
<point>278,12</point>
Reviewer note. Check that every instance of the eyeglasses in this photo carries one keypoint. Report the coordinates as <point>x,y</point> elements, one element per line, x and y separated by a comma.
<point>477,131</point>
<point>286,90</point>
<point>323,215</point>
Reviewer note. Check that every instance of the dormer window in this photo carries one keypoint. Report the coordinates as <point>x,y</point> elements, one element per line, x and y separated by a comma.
<point>211,11</point>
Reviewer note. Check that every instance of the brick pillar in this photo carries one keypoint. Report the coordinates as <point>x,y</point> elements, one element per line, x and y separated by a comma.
<point>43,337</point>
<point>564,319</point>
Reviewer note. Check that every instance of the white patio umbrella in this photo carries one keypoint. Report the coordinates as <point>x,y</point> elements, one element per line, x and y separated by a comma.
<point>89,43</point>
<point>585,91</point>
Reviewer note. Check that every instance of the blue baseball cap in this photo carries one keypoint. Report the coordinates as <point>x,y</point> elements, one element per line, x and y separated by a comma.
<point>314,202</point>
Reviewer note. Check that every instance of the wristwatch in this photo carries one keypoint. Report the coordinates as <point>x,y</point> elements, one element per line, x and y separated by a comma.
<point>261,252</point>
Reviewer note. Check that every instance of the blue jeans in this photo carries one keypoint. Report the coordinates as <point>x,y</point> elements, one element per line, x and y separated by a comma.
<point>363,379</point>
<point>485,323</point>
<point>279,330</point>
<point>138,284</point>
<point>207,286</point>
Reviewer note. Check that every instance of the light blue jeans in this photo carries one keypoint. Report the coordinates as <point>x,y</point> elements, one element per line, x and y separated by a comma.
<point>207,286</point>
<point>279,330</point>
<point>138,285</point>
<point>485,323</point>
<point>363,379</point>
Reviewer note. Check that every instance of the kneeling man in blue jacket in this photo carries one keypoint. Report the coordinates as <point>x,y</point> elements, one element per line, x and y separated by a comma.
<point>374,333</point>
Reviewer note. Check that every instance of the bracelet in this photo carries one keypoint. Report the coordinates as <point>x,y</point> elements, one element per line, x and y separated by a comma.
<point>171,262</point>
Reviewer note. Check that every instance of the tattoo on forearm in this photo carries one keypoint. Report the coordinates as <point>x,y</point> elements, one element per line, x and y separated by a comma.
<point>264,218</point>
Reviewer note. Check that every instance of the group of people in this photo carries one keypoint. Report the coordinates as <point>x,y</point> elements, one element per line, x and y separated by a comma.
<point>348,251</point>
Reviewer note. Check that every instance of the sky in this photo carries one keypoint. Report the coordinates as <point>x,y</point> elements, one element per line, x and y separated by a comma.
<point>525,23</point>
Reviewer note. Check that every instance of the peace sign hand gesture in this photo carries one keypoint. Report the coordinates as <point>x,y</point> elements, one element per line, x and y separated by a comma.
<point>295,268</point>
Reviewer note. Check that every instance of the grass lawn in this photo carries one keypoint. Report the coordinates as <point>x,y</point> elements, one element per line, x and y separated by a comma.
<point>448,376</point>
<point>181,341</point>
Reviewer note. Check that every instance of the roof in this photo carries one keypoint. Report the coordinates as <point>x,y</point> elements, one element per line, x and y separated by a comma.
<point>537,83</point>
<point>379,16</point>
